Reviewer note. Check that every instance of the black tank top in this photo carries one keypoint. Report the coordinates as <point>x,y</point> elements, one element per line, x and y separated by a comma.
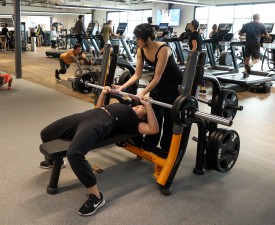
<point>126,120</point>
<point>171,73</point>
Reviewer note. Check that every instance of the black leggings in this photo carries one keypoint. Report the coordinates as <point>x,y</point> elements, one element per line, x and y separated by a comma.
<point>85,129</point>
<point>166,94</point>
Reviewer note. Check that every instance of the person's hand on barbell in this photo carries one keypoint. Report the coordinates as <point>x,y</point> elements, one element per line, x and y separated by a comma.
<point>117,87</point>
<point>144,100</point>
<point>106,89</point>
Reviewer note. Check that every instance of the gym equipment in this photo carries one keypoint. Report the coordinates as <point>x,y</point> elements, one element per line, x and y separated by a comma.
<point>185,112</point>
<point>225,104</point>
<point>180,55</point>
<point>254,83</point>
<point>269,56</point>
<point>183,109</point>
<point>222,150</point>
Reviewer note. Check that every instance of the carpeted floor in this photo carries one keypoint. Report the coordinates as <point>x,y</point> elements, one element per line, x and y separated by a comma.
<point>245,195</point>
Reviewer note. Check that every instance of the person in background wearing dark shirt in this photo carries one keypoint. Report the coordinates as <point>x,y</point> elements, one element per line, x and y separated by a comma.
<point>254,31</point>
<point>79,29</point>
<point>5,32</point>
<point>195,44</point>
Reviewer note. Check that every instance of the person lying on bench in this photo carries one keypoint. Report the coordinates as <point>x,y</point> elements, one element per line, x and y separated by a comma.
<point>90,127</point>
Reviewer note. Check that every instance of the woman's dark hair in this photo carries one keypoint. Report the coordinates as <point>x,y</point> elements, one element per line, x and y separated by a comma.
<point>80,17</point>
<point>195,24</point>
<point>144,31</point>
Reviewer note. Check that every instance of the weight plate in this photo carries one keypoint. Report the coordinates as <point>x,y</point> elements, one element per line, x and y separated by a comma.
<point>175,111</point>
<point>223,102</point>
<point>124,77</point>
<point>73,85</point>
<point>226,150</point>
<point>210,146</point>
<point>82,81</point>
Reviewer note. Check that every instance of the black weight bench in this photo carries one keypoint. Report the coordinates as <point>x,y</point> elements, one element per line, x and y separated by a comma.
<point>56,150</point>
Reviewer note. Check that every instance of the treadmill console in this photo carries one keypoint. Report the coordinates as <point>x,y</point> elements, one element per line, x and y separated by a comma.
<point>163,26</point>
<point>121,28</point>
<point>269,27</point>
<point>224,29</point>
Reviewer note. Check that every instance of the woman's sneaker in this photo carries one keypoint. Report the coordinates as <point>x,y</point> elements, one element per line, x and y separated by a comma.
<point>91,205</point>
<point>48,164</point>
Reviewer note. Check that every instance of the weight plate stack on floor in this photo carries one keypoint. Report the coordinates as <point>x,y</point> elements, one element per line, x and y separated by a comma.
<point>223,150</point>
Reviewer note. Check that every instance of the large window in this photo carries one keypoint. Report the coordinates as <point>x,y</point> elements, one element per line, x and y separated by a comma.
<point>236,14</point>
<point>133,18</point>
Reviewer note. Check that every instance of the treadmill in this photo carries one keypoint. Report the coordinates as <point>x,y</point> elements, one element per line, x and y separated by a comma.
<point>223,37</point>
<point>257,81</point>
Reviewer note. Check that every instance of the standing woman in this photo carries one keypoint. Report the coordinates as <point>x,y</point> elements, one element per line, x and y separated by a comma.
<point>164,84</point>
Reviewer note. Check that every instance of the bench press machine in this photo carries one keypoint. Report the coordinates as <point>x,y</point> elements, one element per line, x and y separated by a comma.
<point>184,113</point>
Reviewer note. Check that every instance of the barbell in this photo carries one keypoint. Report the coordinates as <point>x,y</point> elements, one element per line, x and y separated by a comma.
<point>184,108</point>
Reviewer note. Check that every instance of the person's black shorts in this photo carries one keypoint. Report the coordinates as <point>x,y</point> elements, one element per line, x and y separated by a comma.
<point>102,43</point>
<point>253,50</point>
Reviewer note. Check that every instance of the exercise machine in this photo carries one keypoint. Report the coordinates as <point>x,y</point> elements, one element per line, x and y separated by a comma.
<point>225,143</point>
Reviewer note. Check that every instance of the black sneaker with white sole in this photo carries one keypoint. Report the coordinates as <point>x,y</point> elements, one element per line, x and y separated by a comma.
<point>48,164</point>
<point>91,205</point>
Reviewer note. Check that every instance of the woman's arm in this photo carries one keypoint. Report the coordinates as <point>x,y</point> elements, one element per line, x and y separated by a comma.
<point>100,101</point>
<point>152,126</point>
<point>194,44</point>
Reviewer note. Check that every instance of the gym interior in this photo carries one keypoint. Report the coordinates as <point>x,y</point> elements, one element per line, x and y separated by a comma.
<point>199,188</point>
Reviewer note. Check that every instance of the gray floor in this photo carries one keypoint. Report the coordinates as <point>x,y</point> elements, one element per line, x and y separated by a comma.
<point>243,196</point>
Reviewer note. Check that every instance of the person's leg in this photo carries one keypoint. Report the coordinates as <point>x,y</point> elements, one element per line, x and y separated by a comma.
<point>62,128</point>
<point>90,131</point>
<point>62,70</point>
<point>10,83</point>
<point>4,45</point>
<point>94,127</point>
<point>256,54</point>
<point>202,88</point>
<point>248,53</point>
<point>168,96</point>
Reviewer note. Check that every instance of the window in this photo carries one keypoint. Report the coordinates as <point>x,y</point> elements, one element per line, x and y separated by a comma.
<point>236,14</point>
<point>133,18</point>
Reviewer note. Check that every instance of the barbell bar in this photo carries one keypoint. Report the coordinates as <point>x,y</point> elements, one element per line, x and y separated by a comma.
<point>81,83</point>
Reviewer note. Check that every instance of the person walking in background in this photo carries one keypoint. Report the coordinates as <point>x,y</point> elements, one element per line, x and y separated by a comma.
<point>107,32</point>
<point>53,37</point>
<point>79,29</point>
<point>39,35</point>
<point>214,35</point>
<point>150,21</point>
<point>5,33</point>
<point>195,44</point>
<point>254,31</point>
